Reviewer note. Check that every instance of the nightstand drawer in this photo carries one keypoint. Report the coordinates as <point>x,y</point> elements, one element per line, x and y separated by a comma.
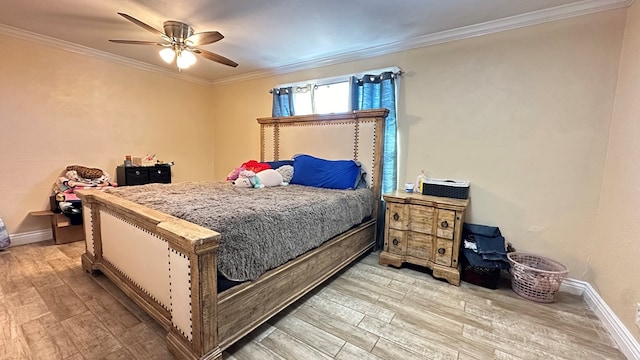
<point>420,245</point>
<point>159,175</point>
<point>395,241</point>
<point>397,216</point>
<point>421,218</point>
<point>446,223</point>
<point>444,248</point>
<point>137,176</point>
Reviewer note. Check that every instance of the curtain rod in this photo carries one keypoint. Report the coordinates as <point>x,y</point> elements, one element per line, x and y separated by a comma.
<point>396,73</point>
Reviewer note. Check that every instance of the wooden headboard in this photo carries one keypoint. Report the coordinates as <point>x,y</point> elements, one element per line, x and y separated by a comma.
<point>356,135</point>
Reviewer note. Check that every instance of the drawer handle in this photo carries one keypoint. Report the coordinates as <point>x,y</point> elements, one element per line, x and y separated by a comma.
<point>395,242</point>
<point>137,172</point>
<point>159,171</point>
<point>444,224</point>
<point>396,216</point>
<point>441,251</point>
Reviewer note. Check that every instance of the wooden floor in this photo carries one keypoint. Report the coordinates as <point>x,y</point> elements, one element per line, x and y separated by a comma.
<point>51,309</point>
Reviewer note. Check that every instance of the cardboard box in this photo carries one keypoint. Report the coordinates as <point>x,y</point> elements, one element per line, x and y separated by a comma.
<point>63,231</point>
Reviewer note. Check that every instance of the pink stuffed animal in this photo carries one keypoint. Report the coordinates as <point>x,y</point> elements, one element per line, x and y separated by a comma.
<point>235,173</point>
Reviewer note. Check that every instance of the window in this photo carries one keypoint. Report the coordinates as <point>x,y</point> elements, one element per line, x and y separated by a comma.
<point>331,98</point>
<point>302,100</point>
<point>321,98</point>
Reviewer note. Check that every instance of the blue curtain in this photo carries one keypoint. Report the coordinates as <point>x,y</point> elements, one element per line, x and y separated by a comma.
<point>282,102</point>
<point>375,92</point>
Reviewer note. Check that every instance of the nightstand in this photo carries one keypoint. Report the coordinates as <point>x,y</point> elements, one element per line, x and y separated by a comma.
<point>424,230</point>
<point>140,175</point>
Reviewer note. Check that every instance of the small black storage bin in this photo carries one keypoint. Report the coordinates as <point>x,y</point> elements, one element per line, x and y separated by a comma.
<point>446,188</point>
<point>141,175</point>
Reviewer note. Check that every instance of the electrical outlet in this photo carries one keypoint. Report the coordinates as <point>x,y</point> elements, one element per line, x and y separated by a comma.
<point>638,315</point>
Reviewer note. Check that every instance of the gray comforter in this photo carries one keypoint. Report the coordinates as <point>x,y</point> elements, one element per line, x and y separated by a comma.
<point>261,228</point>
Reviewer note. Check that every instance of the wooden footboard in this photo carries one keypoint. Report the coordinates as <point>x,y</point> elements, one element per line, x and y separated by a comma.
<point>164,264</point>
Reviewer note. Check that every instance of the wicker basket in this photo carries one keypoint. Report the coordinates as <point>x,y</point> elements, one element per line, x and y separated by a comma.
<point>535,277</point>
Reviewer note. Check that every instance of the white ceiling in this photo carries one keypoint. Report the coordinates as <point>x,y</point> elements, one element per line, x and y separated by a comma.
<point>277,35</point>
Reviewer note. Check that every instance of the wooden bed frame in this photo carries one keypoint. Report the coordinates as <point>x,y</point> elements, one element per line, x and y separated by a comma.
<point>168,266</point>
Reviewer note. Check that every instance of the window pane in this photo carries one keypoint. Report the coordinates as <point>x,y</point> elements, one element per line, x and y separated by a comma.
<point>331,98</point>
<point>302,103</point>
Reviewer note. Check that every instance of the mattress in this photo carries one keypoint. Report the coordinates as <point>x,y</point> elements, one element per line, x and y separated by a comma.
<point>261,228</point>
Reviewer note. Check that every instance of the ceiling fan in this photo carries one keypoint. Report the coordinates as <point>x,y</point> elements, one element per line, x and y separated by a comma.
<point>181,43</point>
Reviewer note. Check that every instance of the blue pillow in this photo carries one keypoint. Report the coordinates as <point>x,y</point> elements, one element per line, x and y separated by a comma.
<point>329,174</point>
<point>276,164</point>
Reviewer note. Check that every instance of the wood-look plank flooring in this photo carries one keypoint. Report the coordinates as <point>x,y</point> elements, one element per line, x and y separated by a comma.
<point>51,309</point>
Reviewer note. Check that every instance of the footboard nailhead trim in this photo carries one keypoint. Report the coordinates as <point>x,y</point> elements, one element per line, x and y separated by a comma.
<point>190,335</point>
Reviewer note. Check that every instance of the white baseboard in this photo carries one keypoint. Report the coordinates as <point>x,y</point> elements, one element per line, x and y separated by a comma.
<point>573,286</point>
<point>619,333</point>
<point>31,237</point>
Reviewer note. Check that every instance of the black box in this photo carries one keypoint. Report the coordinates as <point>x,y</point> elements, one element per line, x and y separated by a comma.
<point>446,188</point>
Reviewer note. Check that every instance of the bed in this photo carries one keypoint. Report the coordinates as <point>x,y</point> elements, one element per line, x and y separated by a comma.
<point>169,266</point>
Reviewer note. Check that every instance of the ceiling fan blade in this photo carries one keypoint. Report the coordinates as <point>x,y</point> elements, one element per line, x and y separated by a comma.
<point>137,42</point>
<point>215,57</point>
<point>141,24</point>
<point>203,38</point>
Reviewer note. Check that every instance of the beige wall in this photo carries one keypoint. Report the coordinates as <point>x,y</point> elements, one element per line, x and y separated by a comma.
<point>59,108</point>
<point>615,260</point>
<point>523,114</point>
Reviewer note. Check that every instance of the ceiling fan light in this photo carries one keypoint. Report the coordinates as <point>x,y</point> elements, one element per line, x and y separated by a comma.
<point>167,54</point>
<point>185,59</point>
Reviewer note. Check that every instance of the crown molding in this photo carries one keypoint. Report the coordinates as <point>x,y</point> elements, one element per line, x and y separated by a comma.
<point>518,21</point>
<point>103,55</point>
<point>489,27</point>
